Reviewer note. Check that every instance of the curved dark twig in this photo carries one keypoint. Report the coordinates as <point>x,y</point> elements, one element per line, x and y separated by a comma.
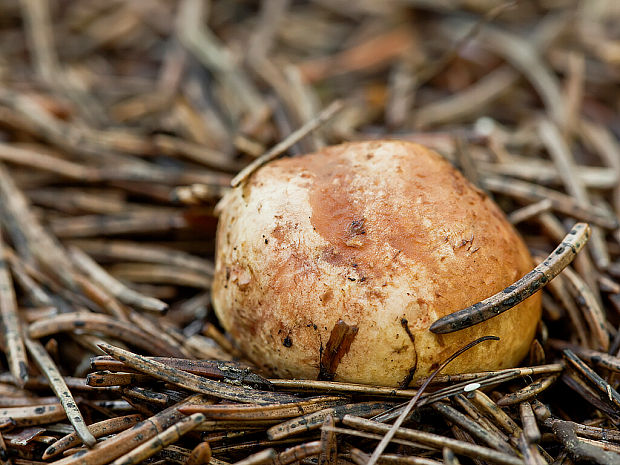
<point>517,292</point>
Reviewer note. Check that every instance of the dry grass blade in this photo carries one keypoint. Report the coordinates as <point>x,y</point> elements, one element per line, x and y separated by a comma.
<point>292,139</point>
<point>57,383</point>
<point>532,282</point>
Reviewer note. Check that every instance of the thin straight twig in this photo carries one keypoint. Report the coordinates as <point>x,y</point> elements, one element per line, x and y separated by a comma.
<point>517,372</point>
<point>590,395</point>
<point>41,38</point>
<point>561,155</point>
<point>606,144</point>
<point>31,157</point>
<point>324,116</point>
<point>58,385</point>
<point>193,33</point>
<point>476,414</point>
<point>128,222</point>
<point>11,326</point>
<point>341,387</point>
<point>545,173</point>
<point>98,379</point>
<point>521,289</point>
<point>378,437</point>
<point>558,289</point>
<point>101,297</point>
<point>563,159</point>
<point>468,101</point>
<point>523,54</point>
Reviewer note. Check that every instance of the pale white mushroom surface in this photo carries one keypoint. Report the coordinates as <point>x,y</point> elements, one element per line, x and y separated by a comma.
<point>385,236</point>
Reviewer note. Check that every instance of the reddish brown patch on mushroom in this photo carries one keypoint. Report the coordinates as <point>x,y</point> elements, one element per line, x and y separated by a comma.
<point>358,219</point>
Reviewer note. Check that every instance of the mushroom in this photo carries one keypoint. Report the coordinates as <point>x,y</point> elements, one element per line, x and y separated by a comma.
<point>335,264</point>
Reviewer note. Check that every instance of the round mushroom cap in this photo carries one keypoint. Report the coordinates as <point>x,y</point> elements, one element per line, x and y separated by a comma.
<point>333,265</point>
